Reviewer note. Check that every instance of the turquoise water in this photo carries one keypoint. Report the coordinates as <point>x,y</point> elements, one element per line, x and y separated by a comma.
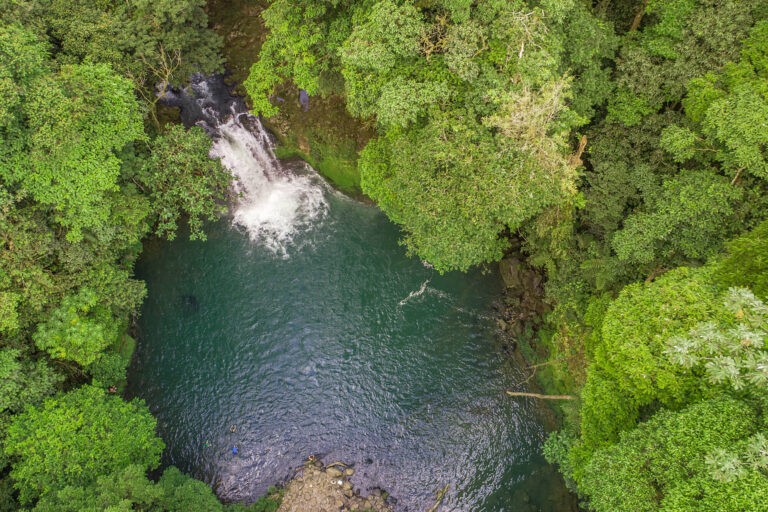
<point>323,353</point>
<point>302,322</point>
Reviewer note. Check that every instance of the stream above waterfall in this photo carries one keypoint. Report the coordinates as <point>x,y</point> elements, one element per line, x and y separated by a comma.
<point>301,327</point>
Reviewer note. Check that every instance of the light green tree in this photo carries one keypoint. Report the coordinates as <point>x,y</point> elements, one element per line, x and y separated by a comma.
<point>745,262</point>
<point>630,371</point>
<point>733,353</point>
<point>74,438</point>
<point>129,489</point>
<point>75,122</point>
<point>78,330</point>
<point>662,465</point>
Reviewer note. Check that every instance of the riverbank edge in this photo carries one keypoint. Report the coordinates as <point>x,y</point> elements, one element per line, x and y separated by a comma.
<point>519,317</point>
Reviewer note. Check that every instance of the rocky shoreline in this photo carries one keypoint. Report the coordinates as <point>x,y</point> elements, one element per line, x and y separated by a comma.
<point>320,488</point>
<point>518,317</point>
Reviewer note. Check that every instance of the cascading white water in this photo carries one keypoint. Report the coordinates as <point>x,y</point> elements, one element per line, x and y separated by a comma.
<point>274,202</point>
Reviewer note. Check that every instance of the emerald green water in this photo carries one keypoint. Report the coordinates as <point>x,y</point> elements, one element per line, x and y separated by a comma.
<point>319,336</point>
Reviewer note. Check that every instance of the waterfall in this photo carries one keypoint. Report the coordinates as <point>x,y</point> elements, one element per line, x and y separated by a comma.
<point>274,202</point>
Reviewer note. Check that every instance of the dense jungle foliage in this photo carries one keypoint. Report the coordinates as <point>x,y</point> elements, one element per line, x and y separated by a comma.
<point>623,145</point>
<point>87,172</point>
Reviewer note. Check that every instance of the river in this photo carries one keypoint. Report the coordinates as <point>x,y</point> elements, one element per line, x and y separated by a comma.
<point>302,323</point>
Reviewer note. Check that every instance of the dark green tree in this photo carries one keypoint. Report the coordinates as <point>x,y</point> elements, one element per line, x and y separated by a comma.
<point>147,41</point>
<point>23,381</point>
<point>688,218</point>
<point>725,113</point>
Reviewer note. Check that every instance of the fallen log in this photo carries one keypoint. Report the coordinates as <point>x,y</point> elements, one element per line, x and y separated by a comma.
<point>543,397</point>
<point>439,497</point>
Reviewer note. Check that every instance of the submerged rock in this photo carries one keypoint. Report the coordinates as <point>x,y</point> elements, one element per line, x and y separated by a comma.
<point>511,272</point>
<point>189,304</point>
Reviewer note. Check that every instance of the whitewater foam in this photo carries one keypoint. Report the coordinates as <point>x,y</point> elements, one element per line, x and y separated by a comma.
<point>414,294</point>
<point>274,204</point>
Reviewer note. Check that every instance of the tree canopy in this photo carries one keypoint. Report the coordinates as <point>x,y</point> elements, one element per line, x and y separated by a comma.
<point>86,172</point>
<point>76,437</point>
<point>472,103</point>
<point>619,147</point>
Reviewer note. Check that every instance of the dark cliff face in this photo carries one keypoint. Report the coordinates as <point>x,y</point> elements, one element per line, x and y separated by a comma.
<point>204,101</point>
<point>240,23</point>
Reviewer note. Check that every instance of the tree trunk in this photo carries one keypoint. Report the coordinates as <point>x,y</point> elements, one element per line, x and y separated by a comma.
<point>575,160</point>
<point>543,397</point>
<point>638,17</point>
<point>440,496</point>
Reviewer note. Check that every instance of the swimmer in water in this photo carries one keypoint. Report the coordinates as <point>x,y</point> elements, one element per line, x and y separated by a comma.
<point>233,428</point>
<point>234,450</point>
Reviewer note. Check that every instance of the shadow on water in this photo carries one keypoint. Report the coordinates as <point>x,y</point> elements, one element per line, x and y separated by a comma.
<point>302,323</point>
